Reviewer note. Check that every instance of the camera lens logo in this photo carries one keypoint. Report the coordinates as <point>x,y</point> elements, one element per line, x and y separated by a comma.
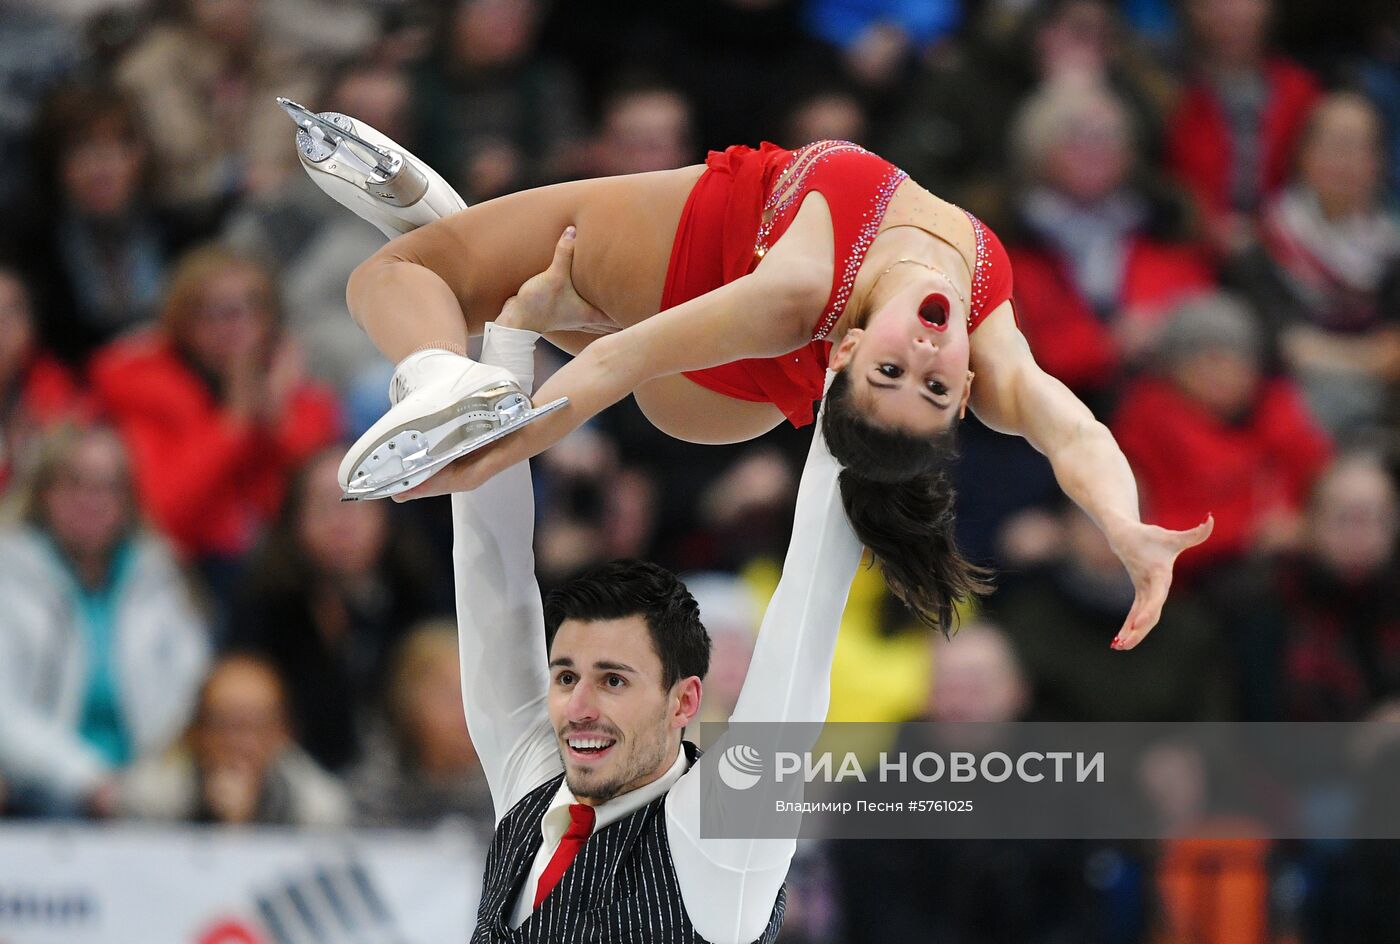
<point>740,767</point>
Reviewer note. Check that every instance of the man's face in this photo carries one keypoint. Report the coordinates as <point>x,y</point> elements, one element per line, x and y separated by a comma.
<point>618,729</point>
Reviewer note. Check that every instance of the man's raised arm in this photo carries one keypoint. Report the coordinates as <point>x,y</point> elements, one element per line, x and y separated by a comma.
<point>789,677</point>
<point>729,885</point>
<point>500,618</point>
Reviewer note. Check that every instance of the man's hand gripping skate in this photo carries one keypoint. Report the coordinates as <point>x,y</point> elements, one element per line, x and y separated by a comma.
<point>546,302</point>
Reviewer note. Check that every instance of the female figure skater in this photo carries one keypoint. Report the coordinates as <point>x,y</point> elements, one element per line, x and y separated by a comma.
<point>718,295</point>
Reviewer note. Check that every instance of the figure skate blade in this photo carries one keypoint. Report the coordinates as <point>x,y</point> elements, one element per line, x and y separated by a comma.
<point>408,456</point>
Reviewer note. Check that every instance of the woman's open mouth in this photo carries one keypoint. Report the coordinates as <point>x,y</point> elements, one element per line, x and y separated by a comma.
<point>589,749</point>
<point>933,312</point>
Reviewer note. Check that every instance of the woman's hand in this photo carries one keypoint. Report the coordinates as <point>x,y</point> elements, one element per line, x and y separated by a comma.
<point>549,301</point>
<point>1149,553</point>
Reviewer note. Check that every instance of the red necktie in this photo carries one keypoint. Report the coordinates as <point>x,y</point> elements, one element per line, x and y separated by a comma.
<point>580,828</point>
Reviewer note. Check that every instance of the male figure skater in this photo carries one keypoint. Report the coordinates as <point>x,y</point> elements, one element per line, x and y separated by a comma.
<point>577,710</point>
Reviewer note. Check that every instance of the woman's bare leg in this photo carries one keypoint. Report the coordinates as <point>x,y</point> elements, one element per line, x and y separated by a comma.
<point>405,307</point>
<point>438,285</point>
<point>682,409</point>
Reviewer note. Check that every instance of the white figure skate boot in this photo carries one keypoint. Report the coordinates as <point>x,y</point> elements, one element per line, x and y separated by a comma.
<point>444,407</point>
<point>369,173</point>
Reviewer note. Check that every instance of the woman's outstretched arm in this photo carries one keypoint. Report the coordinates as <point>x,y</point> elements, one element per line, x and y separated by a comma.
<point>1011,394</point>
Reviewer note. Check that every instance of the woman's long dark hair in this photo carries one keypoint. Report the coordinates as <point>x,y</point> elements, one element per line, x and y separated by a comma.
<point>898,493</point>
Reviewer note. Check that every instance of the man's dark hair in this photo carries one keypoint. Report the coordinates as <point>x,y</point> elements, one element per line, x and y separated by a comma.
<point>623,588</point>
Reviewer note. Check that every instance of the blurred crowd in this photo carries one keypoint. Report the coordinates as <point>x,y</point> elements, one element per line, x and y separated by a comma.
<point>1198,200</point>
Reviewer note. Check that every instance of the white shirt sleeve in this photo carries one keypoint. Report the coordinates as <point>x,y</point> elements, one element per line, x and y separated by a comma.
<point>500,617</point>
<point>729,885</point>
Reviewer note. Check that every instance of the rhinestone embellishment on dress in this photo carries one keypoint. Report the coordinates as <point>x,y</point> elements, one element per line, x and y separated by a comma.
<point>979,271</point>
<point>789,191</point>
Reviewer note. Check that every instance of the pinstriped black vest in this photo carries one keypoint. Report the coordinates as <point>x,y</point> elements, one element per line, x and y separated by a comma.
<point>621,888</point>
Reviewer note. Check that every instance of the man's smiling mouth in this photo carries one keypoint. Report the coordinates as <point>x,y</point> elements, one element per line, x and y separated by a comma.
<point>589,747</point>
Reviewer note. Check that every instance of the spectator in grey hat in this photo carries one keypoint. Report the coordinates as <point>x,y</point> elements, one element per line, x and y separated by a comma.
<point>1207,431</point>
<point>1216,319</point>
<point>1212,347</point>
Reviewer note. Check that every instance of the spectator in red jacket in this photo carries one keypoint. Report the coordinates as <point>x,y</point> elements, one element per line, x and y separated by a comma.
<point>215,408</point>
<point>1101,252</point>
<point>1234,132</point>
<point>36,391</point>
<point>1206,432</point>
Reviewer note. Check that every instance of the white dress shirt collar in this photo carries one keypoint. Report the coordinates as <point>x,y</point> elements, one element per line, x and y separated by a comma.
<point>555,821</point>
